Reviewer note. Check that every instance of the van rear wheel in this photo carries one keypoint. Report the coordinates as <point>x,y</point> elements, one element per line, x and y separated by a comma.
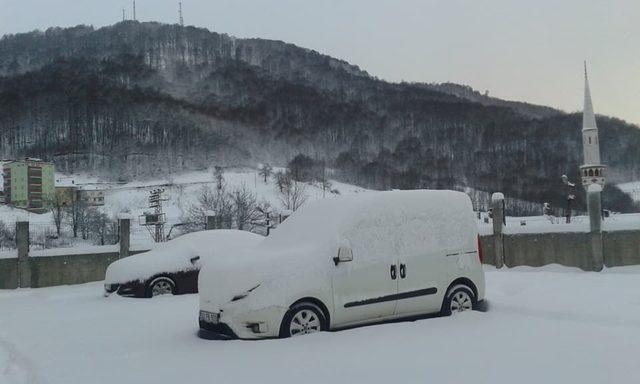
<point>302,319</point>
<point>459,298</point>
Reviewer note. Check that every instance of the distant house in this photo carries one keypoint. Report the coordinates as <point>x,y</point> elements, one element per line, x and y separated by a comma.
<point>66,195</point>
<point>29,183</point>
<point>91,197</point>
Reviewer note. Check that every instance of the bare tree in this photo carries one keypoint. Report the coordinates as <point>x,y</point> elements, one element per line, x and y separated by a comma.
<point>7,236</point>
<point>218,177</point>
<point>294,195</point>
<point>265,171</point>
<point>100,227</point>
<point>76,215</point>
<point>283,181</point>
<point>58,212</point>
<point>216,201</point>
<point>245,210</point>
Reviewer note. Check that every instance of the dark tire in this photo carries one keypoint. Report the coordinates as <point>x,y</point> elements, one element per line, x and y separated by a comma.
<point>303,318</point>
<point>459,298</point>
<point>161,286</point>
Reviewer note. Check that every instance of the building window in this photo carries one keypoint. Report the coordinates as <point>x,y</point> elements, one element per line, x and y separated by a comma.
<point>597,173</point>
<point>589,139</point>
<point>591,172</point>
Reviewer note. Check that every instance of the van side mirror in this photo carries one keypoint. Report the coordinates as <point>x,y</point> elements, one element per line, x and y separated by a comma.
<point>344,255</point>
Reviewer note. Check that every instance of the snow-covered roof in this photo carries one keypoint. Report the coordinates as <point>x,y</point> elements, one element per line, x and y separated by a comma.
<point>354,215</point>
<point>175,255</point>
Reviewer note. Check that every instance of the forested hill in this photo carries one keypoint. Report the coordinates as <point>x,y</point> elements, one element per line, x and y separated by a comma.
<point>139,99</point>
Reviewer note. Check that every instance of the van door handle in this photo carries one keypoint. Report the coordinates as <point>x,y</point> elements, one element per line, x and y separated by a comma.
<point>393,272</point>
<point>403,271</point>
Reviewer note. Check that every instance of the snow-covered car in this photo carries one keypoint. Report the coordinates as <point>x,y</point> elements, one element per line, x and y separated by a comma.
<point>349,261</point>
<point>173,267</point>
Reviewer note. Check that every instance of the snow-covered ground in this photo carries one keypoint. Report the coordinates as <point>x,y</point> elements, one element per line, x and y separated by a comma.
<point>545,325</point>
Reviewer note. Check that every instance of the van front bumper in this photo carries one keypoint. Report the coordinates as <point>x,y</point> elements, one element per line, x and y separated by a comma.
<point>234,322</point>
<point>219,331</point>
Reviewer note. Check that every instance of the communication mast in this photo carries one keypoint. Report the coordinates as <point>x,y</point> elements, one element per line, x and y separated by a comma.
<point>123,15</point>
<point>156,219</point>
<point>134,10</point>
<point>180,13</point>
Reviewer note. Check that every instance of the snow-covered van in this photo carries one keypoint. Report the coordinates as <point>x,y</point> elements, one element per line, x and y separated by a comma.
<point>348,261</point>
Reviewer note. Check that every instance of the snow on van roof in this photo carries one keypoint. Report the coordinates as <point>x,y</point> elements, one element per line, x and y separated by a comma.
<point>324,219</point>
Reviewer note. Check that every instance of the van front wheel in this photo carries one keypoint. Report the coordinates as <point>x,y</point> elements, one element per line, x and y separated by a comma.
<point>302,319</point>
<point>459,298</point>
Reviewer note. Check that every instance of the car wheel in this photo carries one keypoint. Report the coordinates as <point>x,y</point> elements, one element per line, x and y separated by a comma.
<point>459,298</point>
<point>302,319</point>
<point>161,286</point>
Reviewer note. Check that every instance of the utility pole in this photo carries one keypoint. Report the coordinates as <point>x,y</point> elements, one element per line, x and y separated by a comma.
<point>324,177</point>
<point>134,10</point>
<point>123,15</point>
<point>180,14</point>
<point>156,219</point>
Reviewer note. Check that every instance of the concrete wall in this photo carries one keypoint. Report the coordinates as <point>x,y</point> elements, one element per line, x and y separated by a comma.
<point>73,269</point>
<point>47,271</point>
<point>621,248</point>
<point>9,273</point>
<point>570,249</point>
<point>536,250</point>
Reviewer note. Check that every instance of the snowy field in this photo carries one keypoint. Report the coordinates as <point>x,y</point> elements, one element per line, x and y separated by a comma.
<point>181,190</point>
<point>545,325</point>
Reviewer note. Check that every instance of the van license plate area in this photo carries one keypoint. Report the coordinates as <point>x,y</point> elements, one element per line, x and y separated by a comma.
<point>210,317</point>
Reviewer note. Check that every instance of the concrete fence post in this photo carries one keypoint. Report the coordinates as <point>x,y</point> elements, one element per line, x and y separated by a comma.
<point>497,212</point>
<point>210,222</point>
<point>219,221</point>
<point>22,243</point>
<point>124,228</point>
<point>594,205</point>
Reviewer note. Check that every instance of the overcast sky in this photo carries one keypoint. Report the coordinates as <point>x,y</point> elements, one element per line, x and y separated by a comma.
<point>518,50</point>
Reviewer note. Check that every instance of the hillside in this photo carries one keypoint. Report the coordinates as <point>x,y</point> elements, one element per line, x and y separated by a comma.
<point>139,100</point>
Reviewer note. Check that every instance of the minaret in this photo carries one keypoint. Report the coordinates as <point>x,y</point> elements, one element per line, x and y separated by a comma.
<point>592,171</point>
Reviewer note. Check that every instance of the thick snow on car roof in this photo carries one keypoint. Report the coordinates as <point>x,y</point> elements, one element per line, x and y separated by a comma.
<point>175,255</point>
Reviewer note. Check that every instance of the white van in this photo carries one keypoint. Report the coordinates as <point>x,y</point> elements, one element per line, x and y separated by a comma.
<point>348,261</point>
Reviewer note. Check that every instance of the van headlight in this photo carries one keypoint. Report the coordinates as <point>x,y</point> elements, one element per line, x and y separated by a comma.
<point>244,294</point>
